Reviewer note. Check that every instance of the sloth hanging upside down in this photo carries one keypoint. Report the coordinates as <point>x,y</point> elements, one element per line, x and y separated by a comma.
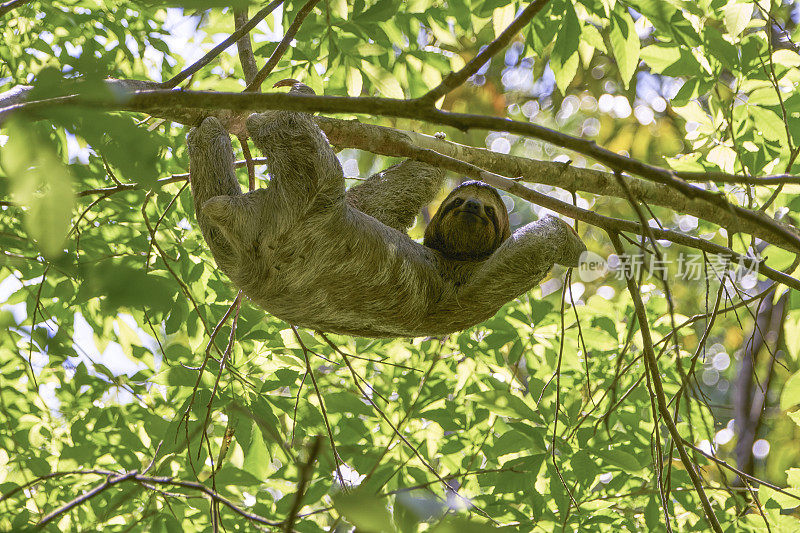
<point>320,257</point>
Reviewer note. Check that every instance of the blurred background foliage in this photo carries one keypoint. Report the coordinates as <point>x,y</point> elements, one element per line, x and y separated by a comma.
<point>539,418</point>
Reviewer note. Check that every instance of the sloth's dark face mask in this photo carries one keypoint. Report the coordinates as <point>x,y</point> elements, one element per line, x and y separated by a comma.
<point>471,223</point>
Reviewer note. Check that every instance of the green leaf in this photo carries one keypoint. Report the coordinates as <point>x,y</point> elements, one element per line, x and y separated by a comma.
<point>591,36</point>
<point>463,525</point>
<point>175,376</point>
<point>380,11</point>
<point>791,392</point>
<point>256,458</point>
<point>720,50</point>
<point>339,8</point>
<point>125,286</point>
<point>768,123</point>
<point>565,57</point>
<point>625,45</point>
<point>621,459</point>
<point>344,402</point>
<point>42,183</point>
<point>504,403</point>
<point>737,16</point>
<point>793,477</point>
<point>365,511</point>
<point>670,60</point>
<point>231,476</point>
<point>384,81</point>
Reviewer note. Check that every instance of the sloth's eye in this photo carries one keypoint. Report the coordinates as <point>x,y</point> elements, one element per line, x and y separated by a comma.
<point>457,202</point>
<point>489,210</point>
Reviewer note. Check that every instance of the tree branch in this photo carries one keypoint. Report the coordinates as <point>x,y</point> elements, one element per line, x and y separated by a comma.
<point>111,480</point>
<point>723,177</point>
<point>187,106</point>
<point>244,46</point>
<point>221,47</point>
<point>658,391</point>
<point>455,79</point>
<point>13,4</point>
<point>384,141</point>
<point>613,225</point>
<point>265,71</point>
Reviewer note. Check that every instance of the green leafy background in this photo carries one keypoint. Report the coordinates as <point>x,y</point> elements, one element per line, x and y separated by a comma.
<point>110,298</point>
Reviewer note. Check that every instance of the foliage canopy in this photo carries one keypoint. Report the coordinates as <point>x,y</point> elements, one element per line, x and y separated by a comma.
<point>131,374</point>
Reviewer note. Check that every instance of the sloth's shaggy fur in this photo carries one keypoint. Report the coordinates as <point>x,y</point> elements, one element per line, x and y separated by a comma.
<point>316,256</point>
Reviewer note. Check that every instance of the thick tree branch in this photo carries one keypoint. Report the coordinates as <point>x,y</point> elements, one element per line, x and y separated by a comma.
<point>405,147</point>
<point>456,79</point>
<point>609,224</point>
<point>384,141</point>
<point>148,101</point>
<point>187,106</point>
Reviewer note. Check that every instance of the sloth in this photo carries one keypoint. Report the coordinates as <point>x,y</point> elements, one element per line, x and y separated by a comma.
<point>317,256</point>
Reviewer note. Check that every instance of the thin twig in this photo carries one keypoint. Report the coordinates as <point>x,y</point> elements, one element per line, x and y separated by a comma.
<point>652,368</point>
<point>743,475</point>
<point>221,47</point>
<point>225,356</point>
<point>456,79</point>
<point>336,460</point>
<point>557,409</point>
<point>305,477</point>
<point>265,71</point>
<point>402,437</point>
<point>112,479</point>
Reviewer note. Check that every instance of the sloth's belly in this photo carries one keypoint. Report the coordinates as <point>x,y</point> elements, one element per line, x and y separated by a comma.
<point>367,284</point>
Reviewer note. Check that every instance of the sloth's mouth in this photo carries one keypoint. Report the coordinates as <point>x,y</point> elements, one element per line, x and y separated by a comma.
<point>470,215</point>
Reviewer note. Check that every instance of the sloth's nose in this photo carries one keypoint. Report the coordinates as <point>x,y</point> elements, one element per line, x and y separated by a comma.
<point>472,206</point>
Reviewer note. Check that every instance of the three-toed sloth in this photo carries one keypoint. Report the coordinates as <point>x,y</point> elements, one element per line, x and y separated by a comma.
<point>320,257</point>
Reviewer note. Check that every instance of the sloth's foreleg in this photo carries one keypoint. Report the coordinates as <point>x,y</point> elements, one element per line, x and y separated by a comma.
<point>520,263</point>
<point>212,175</point>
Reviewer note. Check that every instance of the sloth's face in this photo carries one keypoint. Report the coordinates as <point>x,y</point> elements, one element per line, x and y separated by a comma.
<point>471,223</point>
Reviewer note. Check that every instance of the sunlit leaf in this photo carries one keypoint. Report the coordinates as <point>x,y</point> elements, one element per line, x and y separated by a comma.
<point>625,45</point>
<point>43,184</point>
<point>737,16</point>
<point>791,392</point>
<point>565,58</point>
